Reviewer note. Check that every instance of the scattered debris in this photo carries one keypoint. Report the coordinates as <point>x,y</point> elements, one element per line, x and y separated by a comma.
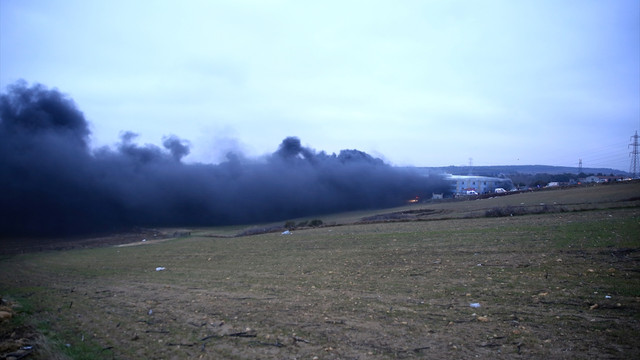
<point>16,338</point>
<point>4,315</point>
<point>160,268</point>
<point>299,339</point>
<point>243,334</point>
<point>22,353</point>
<point>286,232</point>
<point>475,305</point>
<point>182,344</point>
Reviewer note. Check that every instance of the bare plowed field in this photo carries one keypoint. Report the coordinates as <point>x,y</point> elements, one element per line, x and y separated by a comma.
<point>449,280</point>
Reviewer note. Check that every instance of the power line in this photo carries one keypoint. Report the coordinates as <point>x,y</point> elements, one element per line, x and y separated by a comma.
<point>597,155</point>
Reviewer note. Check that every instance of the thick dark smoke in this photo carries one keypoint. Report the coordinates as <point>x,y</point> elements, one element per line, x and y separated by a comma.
<point>54,184</point>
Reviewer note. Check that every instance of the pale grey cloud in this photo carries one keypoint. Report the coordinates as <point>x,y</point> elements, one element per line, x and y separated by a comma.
<point>421,82</point>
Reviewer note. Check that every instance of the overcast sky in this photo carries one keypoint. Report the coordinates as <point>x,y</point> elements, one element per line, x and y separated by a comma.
<point>424,83</point>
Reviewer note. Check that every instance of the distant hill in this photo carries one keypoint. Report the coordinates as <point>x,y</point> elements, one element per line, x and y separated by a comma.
<point>516,169</point>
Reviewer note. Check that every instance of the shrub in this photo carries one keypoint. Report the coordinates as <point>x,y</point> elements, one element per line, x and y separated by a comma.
<point>521,210</point>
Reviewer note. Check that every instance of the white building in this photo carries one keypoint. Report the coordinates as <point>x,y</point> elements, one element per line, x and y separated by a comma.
<point>461,184</point>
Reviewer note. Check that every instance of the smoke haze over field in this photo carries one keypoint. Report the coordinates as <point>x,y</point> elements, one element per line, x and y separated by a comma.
<point>55,184</point>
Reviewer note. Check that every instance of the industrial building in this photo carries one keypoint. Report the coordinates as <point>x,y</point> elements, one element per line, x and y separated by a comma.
<point>468,184</point>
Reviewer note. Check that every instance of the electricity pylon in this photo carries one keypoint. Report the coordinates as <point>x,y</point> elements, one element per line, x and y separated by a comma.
<point>635,160</point>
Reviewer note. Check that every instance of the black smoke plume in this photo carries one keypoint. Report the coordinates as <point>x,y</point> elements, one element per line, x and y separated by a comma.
<point>53,184</point>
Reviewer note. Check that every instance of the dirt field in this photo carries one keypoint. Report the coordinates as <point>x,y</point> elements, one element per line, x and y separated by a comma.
<point>558,279</point>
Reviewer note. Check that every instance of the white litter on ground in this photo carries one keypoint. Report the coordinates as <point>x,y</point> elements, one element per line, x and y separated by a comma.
<point>475,305</point>
<point>160,268</point>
